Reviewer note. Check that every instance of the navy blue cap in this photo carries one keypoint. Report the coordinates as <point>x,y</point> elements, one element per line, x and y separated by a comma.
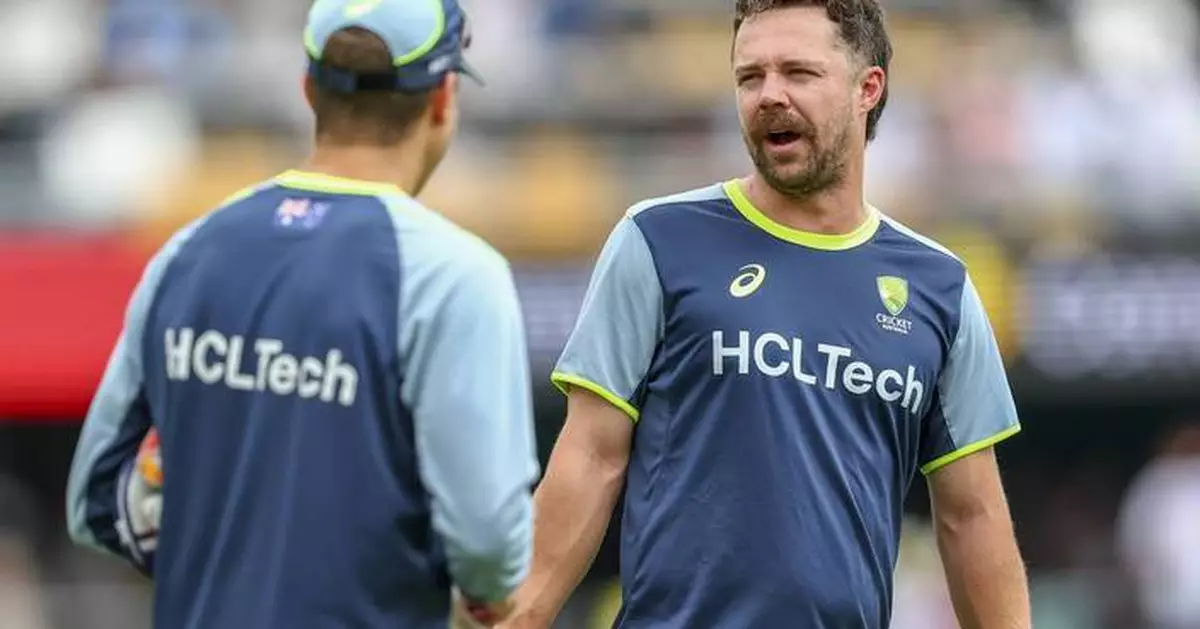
<point>426,38</point>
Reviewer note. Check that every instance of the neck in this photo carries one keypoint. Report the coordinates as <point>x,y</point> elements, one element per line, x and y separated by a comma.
<point>398,165</point>
<point>838,210</point>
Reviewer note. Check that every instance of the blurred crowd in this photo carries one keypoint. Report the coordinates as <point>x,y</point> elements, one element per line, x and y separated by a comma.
<point>1053,122</point>
<point>1016,132</point>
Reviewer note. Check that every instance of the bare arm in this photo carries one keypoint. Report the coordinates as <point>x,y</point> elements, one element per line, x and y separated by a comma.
<point>573,504</point>
<point>979,550</point>
<point>605,362</point>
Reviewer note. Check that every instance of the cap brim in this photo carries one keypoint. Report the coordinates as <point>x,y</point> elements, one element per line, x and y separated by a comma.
<point>467,70</point>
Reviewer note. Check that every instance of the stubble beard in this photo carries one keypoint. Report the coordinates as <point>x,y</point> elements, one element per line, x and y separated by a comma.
<point>824,170</point>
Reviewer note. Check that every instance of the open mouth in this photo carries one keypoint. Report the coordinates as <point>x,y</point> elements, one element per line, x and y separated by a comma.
<point>782,138</point>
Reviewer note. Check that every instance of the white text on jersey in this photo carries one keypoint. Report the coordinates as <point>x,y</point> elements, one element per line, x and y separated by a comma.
<point>216,359</point>
<point>857,377</point>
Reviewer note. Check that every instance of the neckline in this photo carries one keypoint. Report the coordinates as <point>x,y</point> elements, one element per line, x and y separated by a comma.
<point>321,182</point>
<point>813,240</point>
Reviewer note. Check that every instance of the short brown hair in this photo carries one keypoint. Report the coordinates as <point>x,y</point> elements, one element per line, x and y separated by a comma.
<point>860,25</point>
<point>380,118</point>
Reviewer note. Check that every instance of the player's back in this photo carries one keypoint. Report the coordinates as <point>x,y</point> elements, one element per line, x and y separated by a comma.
<point>293,496</point>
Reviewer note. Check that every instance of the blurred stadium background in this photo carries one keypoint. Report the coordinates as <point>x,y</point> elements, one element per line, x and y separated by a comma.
<point>1054,144</point>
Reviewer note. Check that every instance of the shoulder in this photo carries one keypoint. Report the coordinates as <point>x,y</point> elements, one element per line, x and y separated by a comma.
<point>173,247</point>
<point>920,242</point>
<point>933,270</point>
<point>678,201</point>
<point>431,244</point>
<point>656,222</point>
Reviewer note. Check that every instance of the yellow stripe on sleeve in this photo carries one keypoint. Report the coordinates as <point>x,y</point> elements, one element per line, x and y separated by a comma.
<point>564,381</point>
<point>968,450</point>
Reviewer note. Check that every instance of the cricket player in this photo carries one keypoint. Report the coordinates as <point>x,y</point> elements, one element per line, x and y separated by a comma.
<point>765,364</point>
<point>337,376</point>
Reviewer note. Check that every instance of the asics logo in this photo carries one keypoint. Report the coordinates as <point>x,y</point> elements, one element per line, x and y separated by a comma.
<point>750,278</point>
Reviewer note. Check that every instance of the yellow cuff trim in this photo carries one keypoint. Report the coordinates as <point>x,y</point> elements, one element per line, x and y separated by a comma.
<point>965,451</point>
<point>563,381</point>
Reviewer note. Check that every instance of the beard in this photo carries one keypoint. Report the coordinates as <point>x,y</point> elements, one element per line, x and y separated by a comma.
<point>806,173</point>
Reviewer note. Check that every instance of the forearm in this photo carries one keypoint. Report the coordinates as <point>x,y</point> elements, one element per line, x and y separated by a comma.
<point>489,555</point>
<point>105,498</point>
<point>573,507</point>
<point>984,571</point>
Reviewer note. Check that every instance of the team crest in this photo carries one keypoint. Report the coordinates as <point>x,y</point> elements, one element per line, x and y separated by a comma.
<point>300,213</point>
<point>894,293</point>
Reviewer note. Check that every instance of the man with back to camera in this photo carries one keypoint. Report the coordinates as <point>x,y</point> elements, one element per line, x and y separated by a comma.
<point>337,375</point>
<point>764,365</point>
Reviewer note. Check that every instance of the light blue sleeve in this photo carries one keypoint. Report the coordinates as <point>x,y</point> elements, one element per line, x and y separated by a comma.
<point>465,379</point>
<point>976,408</point>
<point>620,323</point>
<point>116,423</point>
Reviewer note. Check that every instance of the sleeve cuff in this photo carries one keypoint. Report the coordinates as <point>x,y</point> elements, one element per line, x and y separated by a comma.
<point>563,381</point>
<point>967,450</point>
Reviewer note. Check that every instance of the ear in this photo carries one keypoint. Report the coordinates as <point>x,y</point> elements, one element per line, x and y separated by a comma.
<point>871,88</point>
<point>310,90</point>
<point>441,102</point>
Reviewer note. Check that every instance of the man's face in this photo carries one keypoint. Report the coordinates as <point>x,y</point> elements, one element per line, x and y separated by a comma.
<point>796,96</point>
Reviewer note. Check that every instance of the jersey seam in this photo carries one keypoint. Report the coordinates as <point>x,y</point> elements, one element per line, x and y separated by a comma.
<point>671,200</point>
<point>958,327</point>
<point>949,430</point>
<point>657,474</point>
<point>397,320</point>
<point>921,239</point>
<point>168,255</point>
<point>958,318</point>
<point>661,333</point>
<point>169,266</point>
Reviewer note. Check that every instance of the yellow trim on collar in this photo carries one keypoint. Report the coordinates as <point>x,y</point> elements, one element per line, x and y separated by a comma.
<point>824,242</point>
<point>320,182</point>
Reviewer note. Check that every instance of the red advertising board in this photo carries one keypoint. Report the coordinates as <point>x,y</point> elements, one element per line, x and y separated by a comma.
<point>62,300</point>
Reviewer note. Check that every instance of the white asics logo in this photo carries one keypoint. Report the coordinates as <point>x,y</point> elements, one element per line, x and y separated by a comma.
<point>855,376</point>
<point>215,359</point>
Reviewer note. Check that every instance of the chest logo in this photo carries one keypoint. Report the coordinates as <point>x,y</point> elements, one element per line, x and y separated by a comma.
<point>748,280</point>
<point>893,292</point>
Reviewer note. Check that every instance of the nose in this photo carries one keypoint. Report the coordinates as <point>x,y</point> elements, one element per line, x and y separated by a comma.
<point>773,93</point>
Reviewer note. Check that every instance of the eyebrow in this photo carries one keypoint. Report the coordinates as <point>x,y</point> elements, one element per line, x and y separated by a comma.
<point>746,67</point>
<point>788,64</point>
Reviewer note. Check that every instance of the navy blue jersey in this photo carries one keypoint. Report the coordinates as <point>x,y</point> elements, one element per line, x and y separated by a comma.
<point>787,387</point>
<point>339,380</point>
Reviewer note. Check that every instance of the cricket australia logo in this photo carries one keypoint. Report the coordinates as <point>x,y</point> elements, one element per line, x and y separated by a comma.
<point>893,292</point>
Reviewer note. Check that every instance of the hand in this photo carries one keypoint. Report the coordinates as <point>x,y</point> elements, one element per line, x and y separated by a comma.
<point>140,509</point>
<point>149,461</point>
<point>518,620</point>
<point>474,615</point>
<point>145,492</point>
